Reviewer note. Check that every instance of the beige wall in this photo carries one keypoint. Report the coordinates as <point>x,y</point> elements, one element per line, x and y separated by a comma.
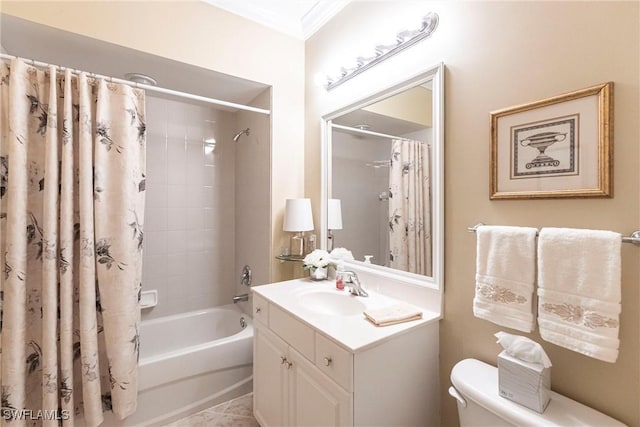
<point>203,35</point>
<point>499,54</point>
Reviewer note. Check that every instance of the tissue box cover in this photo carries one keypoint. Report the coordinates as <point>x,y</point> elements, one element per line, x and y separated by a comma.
<point>528,384</point>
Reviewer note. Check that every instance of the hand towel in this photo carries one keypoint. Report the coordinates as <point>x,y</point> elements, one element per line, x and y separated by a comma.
<point>391,315</point>
<point>505,275</point>
<point>579,290</point>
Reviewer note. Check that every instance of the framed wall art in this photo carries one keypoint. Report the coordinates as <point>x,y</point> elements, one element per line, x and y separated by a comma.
<point>557,147</point>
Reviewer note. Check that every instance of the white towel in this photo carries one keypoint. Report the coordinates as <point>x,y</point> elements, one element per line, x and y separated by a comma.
<point>505,275</point>
<point>579,290</point>
<point>397,313</point>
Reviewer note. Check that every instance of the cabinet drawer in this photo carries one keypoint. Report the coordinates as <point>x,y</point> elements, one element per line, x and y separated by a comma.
<point>293,331</point>
<point>260,309</point>
<point>334,361</point>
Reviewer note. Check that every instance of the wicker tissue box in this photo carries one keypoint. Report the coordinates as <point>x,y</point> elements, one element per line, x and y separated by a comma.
<point>528,384</point>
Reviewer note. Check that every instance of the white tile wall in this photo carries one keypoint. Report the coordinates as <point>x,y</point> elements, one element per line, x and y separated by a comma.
<point>189,247</point>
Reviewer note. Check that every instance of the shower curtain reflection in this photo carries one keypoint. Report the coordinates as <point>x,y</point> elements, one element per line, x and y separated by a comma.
<point>410,207</point>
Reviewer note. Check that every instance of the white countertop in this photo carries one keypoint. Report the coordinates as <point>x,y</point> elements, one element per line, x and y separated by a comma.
<point>352,331</point>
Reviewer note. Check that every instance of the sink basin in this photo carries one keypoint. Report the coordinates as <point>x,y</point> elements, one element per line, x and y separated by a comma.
<point>332,303</point>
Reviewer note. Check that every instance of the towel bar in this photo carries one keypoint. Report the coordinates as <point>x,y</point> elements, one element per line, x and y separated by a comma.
<point>634,238</point>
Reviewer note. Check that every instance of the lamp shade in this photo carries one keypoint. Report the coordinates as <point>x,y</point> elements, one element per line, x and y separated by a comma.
<point>297,215</point>
<point>334,220</point>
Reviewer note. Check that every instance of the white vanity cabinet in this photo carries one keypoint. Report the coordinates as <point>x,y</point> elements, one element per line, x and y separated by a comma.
<point>288,389</point>
<point>270,385</point>
<point>291,391</point>
<point>303,377</point>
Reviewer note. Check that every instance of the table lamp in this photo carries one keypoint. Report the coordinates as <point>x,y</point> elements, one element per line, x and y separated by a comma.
<point>297,218</point>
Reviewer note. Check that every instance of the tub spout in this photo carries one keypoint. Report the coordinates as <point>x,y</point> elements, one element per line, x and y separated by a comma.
<point>243,297</point>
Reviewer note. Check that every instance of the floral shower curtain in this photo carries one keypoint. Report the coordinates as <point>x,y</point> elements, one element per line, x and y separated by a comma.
<point>410,207</point>
<point>72,160</point>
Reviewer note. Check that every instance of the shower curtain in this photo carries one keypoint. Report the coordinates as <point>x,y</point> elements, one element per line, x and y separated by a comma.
<point>410,207</point>
<point>72,160</point>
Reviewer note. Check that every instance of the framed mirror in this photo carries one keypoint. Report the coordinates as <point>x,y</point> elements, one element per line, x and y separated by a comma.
<point>382,190</point>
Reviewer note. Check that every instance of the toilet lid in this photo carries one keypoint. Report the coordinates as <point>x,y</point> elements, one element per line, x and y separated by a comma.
<point>478,382</point>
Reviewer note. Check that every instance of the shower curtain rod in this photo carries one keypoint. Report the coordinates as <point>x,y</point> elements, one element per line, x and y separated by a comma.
<point>368,132</point>
<point>145,86</point>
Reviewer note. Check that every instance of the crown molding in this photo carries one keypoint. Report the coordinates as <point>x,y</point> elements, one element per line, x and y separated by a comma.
<point>293,24</point>
<point>320,14</point>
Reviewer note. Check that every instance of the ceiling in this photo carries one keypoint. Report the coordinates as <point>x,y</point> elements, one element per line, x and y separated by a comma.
<point>298,18</point>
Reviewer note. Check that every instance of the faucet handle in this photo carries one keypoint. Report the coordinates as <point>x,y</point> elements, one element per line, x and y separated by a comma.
<point>245,278</point>
<point>353,284</point>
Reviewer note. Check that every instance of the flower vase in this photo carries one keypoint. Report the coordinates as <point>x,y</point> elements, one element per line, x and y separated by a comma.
<point>318,273</point>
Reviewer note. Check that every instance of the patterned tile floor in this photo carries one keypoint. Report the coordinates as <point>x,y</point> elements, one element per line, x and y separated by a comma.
<point>234,413</point>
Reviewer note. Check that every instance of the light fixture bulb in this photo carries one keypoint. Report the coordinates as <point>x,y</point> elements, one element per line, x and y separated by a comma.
<point>390,44</point>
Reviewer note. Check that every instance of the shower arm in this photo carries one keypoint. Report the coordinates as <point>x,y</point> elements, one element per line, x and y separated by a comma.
<point>237,136</point>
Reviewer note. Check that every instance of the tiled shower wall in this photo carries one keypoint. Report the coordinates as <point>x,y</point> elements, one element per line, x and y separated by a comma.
<point>189,245</point>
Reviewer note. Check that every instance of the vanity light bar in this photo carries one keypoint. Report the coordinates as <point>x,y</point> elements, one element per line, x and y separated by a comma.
<point>404,39</point>
<point>634,238</point>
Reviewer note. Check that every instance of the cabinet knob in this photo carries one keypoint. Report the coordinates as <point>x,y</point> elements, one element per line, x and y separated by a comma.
<point>283,360</point>
<point>327,360</point>
<point>258,310</point>
<point>289,365</point>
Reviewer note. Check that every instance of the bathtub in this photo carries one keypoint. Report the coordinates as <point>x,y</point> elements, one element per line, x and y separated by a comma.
<point>192,361</point>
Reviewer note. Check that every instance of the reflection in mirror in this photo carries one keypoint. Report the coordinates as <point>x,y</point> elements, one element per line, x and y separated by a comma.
<point>380,172</point>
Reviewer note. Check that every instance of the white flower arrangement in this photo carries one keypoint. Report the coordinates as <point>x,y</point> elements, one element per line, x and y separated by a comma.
<point>322,259</point>
<point>316,259</point>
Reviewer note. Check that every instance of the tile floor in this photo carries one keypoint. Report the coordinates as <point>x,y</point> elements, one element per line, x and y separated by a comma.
<point>234,413</point>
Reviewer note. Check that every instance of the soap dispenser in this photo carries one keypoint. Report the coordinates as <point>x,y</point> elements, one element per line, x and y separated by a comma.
<point>340,276</point>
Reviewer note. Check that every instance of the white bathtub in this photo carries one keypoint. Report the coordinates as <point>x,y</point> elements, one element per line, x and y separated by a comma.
<point>192,361</point>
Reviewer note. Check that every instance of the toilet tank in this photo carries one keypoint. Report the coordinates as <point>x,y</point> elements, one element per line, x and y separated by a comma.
<point>475,386</point>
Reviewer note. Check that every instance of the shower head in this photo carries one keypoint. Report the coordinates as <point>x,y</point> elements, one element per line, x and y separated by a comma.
<point>239,134</point>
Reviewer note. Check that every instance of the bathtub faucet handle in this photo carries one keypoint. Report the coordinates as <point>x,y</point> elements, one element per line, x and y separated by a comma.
<point>245,278</point>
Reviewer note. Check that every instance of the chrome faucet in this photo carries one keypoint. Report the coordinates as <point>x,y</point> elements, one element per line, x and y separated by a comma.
<point>351,281</point>
<point>245,279</point>
<point>242,297</point>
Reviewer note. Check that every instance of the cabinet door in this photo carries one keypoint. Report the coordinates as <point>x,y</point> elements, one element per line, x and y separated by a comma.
<point>314,399</point>
<point>269,378</point>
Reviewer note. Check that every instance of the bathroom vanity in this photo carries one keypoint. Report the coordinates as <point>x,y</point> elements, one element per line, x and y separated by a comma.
<point>318,361</point>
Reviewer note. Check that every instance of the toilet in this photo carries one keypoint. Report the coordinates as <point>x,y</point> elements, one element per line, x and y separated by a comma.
<point>475,387</point>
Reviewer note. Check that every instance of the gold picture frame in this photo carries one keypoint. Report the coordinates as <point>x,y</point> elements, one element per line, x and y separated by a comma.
<point>559,147</point>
